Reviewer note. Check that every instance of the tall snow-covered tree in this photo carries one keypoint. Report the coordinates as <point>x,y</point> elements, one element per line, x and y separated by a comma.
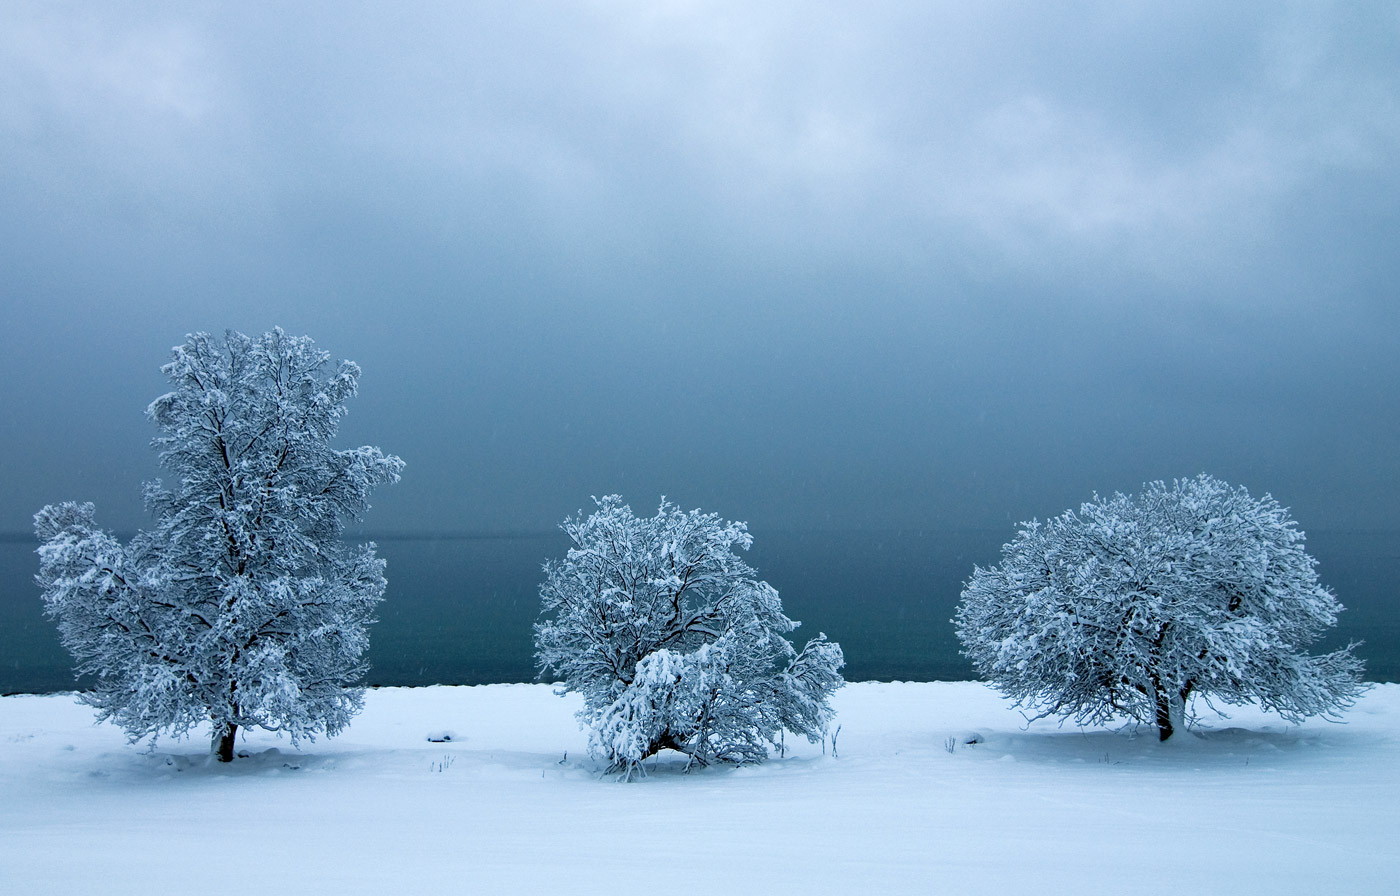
<point>1132,604</point>
<point>241,606</point>
<point>674,643</point>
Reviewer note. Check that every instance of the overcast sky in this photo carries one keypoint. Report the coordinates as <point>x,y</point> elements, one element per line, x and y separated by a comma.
<point>806,264</point>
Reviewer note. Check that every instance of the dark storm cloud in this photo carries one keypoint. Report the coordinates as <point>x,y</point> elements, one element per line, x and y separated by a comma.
<point>904,265</point>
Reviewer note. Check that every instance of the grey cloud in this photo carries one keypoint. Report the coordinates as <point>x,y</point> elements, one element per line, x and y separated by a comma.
<point>808,264</point>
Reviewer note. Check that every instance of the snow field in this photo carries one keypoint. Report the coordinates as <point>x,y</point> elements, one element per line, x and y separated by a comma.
<point>512,804</point>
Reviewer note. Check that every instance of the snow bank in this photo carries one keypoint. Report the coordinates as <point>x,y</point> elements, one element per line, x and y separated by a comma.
<point>511,804</point>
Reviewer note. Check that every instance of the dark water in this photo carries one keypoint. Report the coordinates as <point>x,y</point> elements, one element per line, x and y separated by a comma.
<point>459,609</point>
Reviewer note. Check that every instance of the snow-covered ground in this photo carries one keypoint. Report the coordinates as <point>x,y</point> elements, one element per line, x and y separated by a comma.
<point>512,804</point>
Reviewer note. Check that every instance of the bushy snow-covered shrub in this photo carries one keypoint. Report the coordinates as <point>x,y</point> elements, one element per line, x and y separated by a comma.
<point>1134,603</point>
<point>242,606</point>
<point>673,642</point>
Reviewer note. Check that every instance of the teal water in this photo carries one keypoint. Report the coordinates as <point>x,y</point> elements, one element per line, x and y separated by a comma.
<point>459,609</point>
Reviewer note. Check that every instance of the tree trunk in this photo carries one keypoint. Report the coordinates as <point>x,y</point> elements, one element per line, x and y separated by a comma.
<point>1164,715</point>
<point>1171,711</point>
<point>223,741</point>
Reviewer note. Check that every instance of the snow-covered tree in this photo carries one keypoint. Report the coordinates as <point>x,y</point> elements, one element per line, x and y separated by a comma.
<point>1134,603</point>
<point>674,643</point>
<point>241,606</point>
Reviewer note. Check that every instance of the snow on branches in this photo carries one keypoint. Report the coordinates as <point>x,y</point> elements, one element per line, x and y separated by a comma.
<point>242,605</point>
<point>674,643</point>
<point>1134,603</point>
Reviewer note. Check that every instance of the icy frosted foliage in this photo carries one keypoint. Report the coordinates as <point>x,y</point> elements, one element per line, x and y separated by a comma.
<point>674,643</point>
<point>241,606</point>
<point>1134,603</point>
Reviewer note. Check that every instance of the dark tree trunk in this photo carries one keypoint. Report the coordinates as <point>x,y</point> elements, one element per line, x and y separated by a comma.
<point>225,748</point>
<point>1164,714</point>
<point>668,741</point>
<point>1171,707</point>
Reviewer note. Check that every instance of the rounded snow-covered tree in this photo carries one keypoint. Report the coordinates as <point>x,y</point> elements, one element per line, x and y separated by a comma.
<point>242,606</point>
<point>1131,605</point>
<point>674,643</point>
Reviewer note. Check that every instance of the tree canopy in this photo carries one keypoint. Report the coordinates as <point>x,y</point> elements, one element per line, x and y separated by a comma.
<point>673,641</point>
<point>1132,604</point>
<point>241,605</point>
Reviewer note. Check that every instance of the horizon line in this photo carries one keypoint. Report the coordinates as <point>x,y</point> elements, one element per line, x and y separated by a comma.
<point>21,537</point>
